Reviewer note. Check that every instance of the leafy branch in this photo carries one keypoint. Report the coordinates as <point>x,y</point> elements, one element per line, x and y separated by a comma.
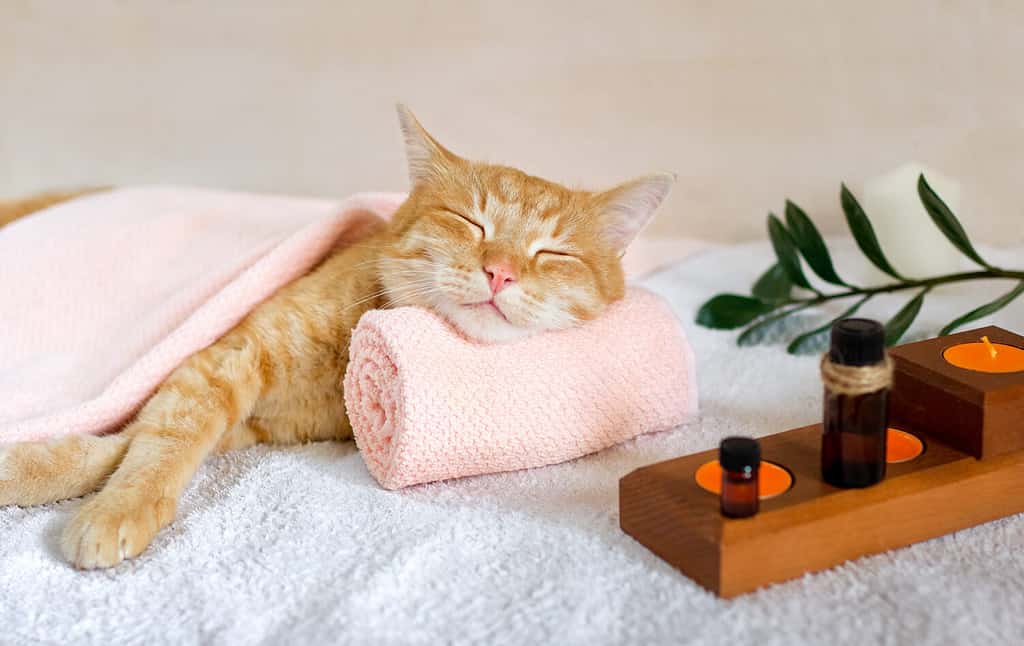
<point>772,296</point>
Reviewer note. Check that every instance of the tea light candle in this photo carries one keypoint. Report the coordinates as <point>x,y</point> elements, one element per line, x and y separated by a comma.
<point>954,390</point>
<point>986,356</point>
<point>901,446</point>
<point>774,480</point>
<point>910,240</point>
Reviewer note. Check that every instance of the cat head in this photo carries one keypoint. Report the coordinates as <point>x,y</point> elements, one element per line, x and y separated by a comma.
<point>501,254</point>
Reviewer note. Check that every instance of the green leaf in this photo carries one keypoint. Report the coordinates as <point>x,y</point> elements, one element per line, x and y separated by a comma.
<point>799,344</point>
<point>785,251</point>
<point>773,286</point>
<point>898,324</point>
<point>729,311</point>
<point>864,233</point>
<point>811,244</point>
<point>946,221</point>
<point>985,310</point>
<point>750,336</point>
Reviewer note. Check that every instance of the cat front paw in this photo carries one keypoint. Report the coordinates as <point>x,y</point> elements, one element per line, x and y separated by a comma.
<point>6,477</point>
<point>11,488</point>
<point>35,473</point>
<point>112,527</point>
<point>6,472</point>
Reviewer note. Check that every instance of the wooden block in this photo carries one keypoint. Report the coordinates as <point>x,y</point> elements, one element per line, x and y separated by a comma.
<point>979,413</point>
<point>813,526</point>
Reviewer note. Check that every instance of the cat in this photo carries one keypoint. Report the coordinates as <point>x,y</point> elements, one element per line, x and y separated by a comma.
<point>497,253</point>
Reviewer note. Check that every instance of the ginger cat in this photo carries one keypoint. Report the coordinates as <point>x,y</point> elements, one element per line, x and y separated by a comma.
<point>498,253</point>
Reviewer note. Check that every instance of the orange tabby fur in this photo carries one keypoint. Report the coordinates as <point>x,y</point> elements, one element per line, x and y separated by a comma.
<point>276,377</point>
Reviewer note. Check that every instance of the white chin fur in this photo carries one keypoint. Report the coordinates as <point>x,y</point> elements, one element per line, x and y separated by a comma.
<point>481,323</point>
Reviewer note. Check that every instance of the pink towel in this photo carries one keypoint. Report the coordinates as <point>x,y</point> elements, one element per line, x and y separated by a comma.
<point>426,404</point>
<point>102,297</point>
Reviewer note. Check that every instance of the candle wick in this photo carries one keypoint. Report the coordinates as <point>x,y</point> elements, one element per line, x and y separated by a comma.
<point>991,348</point>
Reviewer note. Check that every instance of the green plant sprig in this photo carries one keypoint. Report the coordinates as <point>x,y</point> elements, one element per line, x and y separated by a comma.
<point>771,299</point>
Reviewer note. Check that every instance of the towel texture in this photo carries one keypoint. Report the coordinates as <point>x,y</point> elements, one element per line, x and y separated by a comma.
<point>426,404</point>
<point>102,297</point>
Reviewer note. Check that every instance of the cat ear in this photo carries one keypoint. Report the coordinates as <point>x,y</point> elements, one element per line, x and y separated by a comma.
<point>426,157</point>
<point>628,207</point>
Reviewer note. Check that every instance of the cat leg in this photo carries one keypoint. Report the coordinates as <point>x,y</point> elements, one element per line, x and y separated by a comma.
<point>34,473</point>
<point>243,435</point>
<point>177,429</point>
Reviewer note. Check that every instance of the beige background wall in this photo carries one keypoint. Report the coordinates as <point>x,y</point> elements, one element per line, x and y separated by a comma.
<point>749,102</point>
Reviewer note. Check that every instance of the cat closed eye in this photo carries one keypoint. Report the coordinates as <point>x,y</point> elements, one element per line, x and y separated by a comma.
<point>552,253</point>
<point>467,220</point>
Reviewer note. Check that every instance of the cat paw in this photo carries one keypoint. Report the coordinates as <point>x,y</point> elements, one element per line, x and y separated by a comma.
<point>111,528</point>
<point>35,473</point>
<point>6,473</point>
<point>22,477</point>
<point>10,491</point>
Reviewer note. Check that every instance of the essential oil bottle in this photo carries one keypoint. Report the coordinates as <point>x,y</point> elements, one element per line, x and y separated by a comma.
<point>740,458</point>
<point>857,377</point>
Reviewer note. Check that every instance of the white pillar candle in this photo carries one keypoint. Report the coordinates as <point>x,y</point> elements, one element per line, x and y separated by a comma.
<point>909,238</point>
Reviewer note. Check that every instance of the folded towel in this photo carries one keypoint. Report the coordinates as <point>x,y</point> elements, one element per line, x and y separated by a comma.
<point>102,297</point>
<point>426,404</point>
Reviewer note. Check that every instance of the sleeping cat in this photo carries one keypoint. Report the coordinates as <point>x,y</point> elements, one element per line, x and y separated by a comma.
<point>498,253</point>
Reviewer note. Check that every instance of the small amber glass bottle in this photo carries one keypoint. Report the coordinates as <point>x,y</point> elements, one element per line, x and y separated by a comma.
<point>740,458</point>
<point>856,405</point>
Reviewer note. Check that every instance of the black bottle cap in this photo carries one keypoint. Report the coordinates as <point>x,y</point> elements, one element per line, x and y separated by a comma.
<point>738,453</point>
<point>857,342</point>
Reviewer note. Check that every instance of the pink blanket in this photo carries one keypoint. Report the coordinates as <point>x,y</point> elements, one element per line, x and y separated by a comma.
<point>102,297</point>
<point>428,405</point>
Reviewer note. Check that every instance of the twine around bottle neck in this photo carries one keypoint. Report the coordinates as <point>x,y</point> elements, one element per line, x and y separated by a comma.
<point>856,380</point>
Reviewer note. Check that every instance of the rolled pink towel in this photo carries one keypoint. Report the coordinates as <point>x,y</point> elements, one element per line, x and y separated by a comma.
<point>426,404</point>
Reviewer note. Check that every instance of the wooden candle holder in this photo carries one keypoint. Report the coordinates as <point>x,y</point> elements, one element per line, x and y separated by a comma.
<point>976,412</point>
<point>815,526</point>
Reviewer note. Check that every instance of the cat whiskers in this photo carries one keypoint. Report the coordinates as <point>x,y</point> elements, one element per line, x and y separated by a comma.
<point>421,288</point>
<point>408,298</point>
<point>405,292</point>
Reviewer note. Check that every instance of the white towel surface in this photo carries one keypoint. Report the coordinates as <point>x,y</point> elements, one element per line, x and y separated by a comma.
<point>300,545</point>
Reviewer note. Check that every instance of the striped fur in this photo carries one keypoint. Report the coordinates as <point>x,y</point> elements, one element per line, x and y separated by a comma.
<point>276,377</point>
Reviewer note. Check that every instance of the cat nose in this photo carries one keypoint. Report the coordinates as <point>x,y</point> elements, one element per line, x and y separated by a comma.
<point>499,275</point>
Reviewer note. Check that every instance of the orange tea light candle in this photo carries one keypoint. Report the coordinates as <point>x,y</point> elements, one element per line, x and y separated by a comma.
<point>901,446</point>
<point>986,356</point>
<point>773,479</point>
